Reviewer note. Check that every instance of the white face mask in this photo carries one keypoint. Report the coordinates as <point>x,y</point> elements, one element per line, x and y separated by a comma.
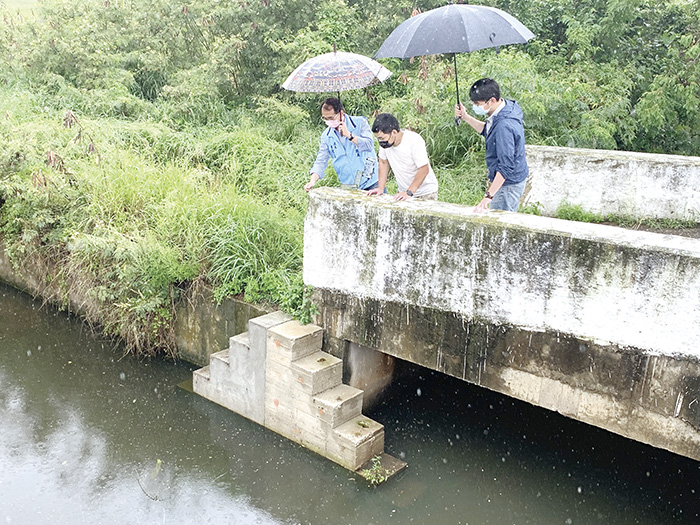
<point>479,110</point>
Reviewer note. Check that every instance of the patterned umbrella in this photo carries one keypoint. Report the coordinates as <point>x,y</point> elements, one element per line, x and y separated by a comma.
<point>336,71</point>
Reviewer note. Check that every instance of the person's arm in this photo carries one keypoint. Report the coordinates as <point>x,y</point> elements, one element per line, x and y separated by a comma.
<point>312,181</point>
<point>495,185</point>
<point>461,112</point>
<point>319,166</point>
<point>362,136</point>
<point>421,174</point>
<point>505,152</point>
<point>383,174</point>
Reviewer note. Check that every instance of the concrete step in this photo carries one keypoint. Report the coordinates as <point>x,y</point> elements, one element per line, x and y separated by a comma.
<point>292,340</point>
<point>201,381</point>
<point>338,405</point>
<point>276,375</point>
<point>317,372</point>
<point>219,365</point>
<point>238,343</point>
<point>202,373</point>
<point>213,387</point>
<point>355,442</point>
<point>258,329</point>
<point>239,355</point>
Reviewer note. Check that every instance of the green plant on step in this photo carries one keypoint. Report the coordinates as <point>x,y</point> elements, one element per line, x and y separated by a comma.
<point>376,474</point>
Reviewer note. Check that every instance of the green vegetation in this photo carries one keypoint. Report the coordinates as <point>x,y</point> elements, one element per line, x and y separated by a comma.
<point>574,212</point>
<point>376,474</point>
<point>146,146</point>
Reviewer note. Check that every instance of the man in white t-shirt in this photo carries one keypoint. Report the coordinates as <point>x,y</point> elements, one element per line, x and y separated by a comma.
<point>404,152</point>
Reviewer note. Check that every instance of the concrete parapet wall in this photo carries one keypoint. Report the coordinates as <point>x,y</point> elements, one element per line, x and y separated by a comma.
<point>639,185</point>
<point>596,322</point>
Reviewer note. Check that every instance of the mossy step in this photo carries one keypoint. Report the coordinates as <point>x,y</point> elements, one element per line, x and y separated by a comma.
<point>380,468</point>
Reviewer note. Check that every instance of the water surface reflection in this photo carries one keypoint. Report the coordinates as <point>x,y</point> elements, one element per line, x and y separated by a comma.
<point>90,436</point>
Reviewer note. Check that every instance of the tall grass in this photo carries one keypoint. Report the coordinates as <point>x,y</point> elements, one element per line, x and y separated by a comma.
<point>128,212</point>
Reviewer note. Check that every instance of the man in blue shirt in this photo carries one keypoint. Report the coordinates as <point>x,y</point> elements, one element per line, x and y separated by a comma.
<point>505,144</point>
<point>349,143</point>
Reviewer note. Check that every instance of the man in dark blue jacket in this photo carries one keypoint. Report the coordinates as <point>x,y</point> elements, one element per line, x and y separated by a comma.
<point>505,144</point>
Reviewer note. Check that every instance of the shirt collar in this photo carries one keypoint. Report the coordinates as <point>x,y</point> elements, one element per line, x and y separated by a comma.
<point>498,109</point>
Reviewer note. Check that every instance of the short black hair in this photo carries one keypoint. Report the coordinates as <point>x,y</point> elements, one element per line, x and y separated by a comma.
<point>332,103</point>
<point>385,123</point>
<point>484,89</point>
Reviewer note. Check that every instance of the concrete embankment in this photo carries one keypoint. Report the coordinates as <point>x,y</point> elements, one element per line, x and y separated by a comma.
<point>599,323</point>
<point>622,183</point>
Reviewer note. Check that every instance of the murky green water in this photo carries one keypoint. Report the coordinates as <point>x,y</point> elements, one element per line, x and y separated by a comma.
<point>88,436</point>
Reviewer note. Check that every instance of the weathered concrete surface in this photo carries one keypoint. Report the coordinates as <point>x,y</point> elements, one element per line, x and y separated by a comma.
<point>235,377</point>
<point>203,327</point>
<point>300,396</point>
<point>639,185</point>
<point>598,323</point>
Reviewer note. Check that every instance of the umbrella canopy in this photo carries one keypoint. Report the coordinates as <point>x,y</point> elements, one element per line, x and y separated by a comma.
<point>337,71</point>
<point>454,29</point>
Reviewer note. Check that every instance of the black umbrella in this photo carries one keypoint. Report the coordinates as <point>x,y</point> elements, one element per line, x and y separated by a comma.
<point>454,29</point>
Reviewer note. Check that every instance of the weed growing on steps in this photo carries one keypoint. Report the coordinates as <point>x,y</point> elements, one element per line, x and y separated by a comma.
<point>376,474</point>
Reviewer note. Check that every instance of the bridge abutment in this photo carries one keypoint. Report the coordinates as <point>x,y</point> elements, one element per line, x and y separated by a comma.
<point>597,323</point>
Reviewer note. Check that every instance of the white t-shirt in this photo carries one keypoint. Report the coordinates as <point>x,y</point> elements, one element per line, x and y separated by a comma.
<point>406,158</point>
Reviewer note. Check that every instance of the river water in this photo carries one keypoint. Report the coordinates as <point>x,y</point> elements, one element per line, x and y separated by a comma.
<point>90,436</point>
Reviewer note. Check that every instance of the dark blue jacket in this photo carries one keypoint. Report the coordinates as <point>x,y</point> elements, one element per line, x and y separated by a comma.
<point>505,145</point>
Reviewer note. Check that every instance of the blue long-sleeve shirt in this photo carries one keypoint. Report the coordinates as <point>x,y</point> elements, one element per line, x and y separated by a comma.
<point>354,164</point>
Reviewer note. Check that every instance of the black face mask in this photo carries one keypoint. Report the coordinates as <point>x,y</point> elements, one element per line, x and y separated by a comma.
<point>385,144</point>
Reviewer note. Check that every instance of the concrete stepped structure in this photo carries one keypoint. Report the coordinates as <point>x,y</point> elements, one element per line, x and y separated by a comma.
<point>277,375</point>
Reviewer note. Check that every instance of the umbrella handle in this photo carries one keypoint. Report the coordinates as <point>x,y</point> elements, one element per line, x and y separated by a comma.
<point>458,120</point>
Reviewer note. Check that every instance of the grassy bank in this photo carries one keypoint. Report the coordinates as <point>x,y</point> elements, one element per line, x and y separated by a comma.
<point>132,212</point>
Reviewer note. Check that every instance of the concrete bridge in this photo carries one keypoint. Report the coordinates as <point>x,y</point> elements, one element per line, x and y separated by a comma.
<point>596,322</point>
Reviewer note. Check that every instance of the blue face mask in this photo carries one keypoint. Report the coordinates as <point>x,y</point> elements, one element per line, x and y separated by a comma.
<point>479,110</point>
